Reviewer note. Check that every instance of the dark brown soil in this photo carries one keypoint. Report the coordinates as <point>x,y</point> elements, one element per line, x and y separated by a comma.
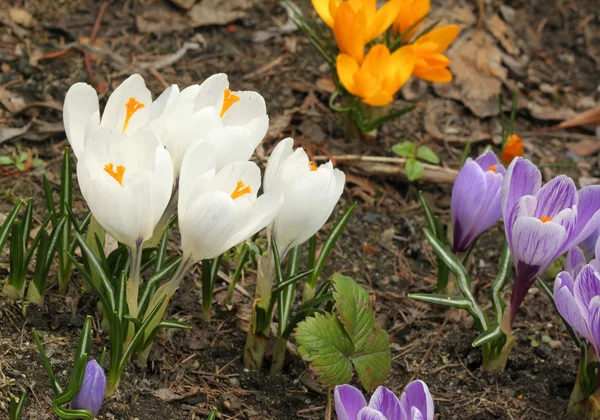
<point>383,247</point>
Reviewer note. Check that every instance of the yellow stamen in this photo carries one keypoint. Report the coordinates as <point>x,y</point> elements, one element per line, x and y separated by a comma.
<point>240,190</point>
<point>118,175</point>
<point>312,166</point>
<point>131,107</point>
<point>545,219</point>
<point>228,100</point>
<point>492,168</point>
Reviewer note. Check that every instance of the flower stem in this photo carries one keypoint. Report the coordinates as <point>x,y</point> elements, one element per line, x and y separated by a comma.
<point>133,287</point>
<point>164,219</point>
<point>278,355</point>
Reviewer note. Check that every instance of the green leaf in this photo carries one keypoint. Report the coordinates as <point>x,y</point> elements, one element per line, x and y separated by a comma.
<point>414,169</point>
<point>374,361</point>
<point>335,343</point>
<point>406,149</point>
<point>354,309</point>
<point>6,160</point>
<point>325,344</point>
<point>428,155</point>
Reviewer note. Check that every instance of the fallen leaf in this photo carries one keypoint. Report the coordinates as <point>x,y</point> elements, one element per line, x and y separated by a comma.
<point>11,101</point>
<point>21,17</point>
<point>184,4</point>
<point>585,147</point>
<point>161,21</point>
<point>219,12</point>
<point>549,112</point>
<point>478,73</point>
<point>279,123</point>
<point>370,249</point>
<point>503,33</point>
<point>8,133</point>
<point>325,84</point>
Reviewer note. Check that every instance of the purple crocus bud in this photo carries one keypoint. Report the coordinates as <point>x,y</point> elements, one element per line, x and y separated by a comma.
<point>578,302</point>
<point>542,223</point>
<point>415,404</point>
<point>574,261</point>
<point>91,394</point>
<point>476,199</point>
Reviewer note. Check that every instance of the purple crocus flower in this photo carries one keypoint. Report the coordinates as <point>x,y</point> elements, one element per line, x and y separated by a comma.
<point>91,394</point>
<point>542,223</point>
<point>578,302</point>
<point>574,261</point>
<point>476,199</point>
<point>414,404</point>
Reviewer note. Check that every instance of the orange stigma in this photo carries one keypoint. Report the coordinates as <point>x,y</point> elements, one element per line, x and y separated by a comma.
<point>131,107</point>
<point>545,219</point>
<point>240,190</point>
<point>492,168</point>
<point>312,166</point>
<point>118,174</point>
<point>228,100</point>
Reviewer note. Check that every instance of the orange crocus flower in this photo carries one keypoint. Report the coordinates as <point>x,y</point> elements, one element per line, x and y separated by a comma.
<point>431,64</point>
<point>380,75</point>
<point>356,22</point>
<point>411,12</point>
<point>513,148</point>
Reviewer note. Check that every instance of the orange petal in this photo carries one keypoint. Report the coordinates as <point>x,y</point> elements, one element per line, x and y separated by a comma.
<point>322,7</point>
<point>442,75</point>
<point>381,98</point>
<point>347,67</point>
<point>349,29</point>
<point>376,60</point>
<point>411,12</point>
<point>384,17</point>
<point>366,84</point>
<point>437,60</point>
<point>443,37</point>
<point>402,64</point>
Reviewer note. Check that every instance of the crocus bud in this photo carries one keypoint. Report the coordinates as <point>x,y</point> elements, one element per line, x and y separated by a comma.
<point>514,148</point>
<point>476,199</point>
<point>91,394</point>
<point>310,194</point>
<point>415,403</point>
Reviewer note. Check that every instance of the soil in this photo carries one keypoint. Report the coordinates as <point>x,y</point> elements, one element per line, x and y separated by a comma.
<point>383,247</point>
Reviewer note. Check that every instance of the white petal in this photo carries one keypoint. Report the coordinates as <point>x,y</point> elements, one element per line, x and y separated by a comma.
<point>211,91</point>
<point>163,102</point>
<point>115,111</point>
<point>197,170</point>
<point>281,152</point>
<point>250,106</point>
<point>248,172</point>
<point>208,223</point>
<point>80,109</point>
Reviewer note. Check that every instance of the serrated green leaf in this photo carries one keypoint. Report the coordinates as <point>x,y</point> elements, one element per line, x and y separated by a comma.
<point>428,155</point>
<point>374,361</point>
<point>323,342</point>
<point>406,149</point>
<point>353,309</point>
<point>414,169</point>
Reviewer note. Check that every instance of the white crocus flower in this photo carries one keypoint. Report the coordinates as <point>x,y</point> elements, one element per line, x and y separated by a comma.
<point>128,109</point>
<point>234,123</point>
<point>310,194</point>
<point>126,182</point>
<point>219,209</point>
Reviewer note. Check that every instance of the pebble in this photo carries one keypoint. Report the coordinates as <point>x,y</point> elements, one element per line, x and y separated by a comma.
<point>234,381</point>
<point>543,351</point>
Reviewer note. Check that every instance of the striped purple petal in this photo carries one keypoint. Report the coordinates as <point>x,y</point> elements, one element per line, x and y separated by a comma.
<point>416,396</point>
<point>386,402</point>
<point>348,402</point>
<point>522,178</point>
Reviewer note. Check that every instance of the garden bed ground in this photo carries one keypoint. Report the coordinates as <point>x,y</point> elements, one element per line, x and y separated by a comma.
<point>383,247</point>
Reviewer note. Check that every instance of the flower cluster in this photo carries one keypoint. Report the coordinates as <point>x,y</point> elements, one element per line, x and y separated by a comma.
<point>188,152</point>
<point>377,74</point>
